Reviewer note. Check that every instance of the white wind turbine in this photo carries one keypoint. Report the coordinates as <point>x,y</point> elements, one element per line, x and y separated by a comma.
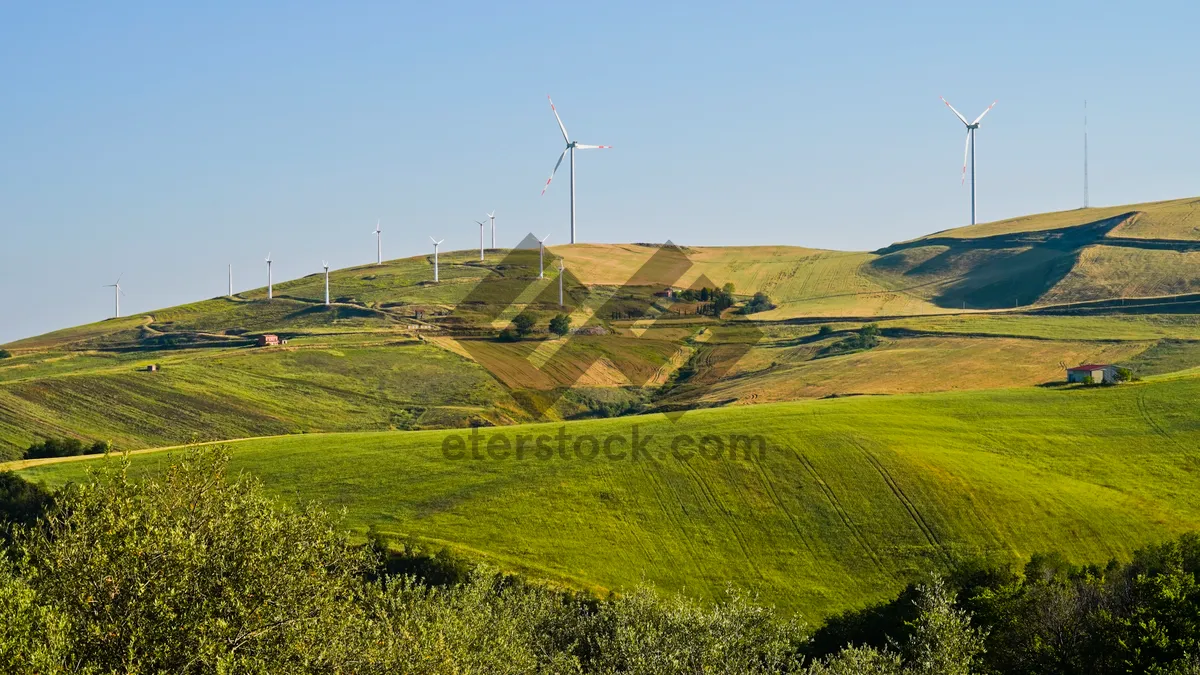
<point>572,146</point>
<point>481,223</point>
<point>378,244</point>
<point>561,268</point>
<point>436,243</point>
<point>117,293</point>
<point>492,217</point>
<point>326,266</point>
<point>970,148</point>
<point>541,254</point>
<point>270,284</point>
<point>231,281</point>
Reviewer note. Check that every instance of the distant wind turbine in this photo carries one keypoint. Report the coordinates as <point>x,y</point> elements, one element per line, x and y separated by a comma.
<point>231,281</point>
<point>970,148</point>
<point>492,217</point>
<point>481,224</point>
<point>541,254</point>
<point>1085,157</point>
<point>270,284</point>
<point>378,244</point>
<point>561,267</point>
<point>436,244</point>
<point>117,293</point>
<point>572,146</point>
<point>326,266</point>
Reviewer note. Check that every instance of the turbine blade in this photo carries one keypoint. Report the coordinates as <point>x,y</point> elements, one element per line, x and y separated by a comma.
<point>592,147</point>
<point>966,150</point>
<point>560,124</point>
<point>556,165</point>
<point>993,105</point>
<point>956,113</point>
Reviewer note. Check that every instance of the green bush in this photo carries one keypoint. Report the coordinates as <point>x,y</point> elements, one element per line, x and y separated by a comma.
<point>560,324</point>
<point>523,323</point>
<point>5,354</point>
<point>65,447</point>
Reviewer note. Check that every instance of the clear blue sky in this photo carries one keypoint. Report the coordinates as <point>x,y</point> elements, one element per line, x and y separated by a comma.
<point>165,140</point>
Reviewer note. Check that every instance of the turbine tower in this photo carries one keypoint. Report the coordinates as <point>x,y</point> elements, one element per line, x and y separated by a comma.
<point>970,148</point>
<point>1085,157</point>
<point>436,243</point>
<point>326,266</point>
<point>492,217</point>
<point>378,244</point>
<point>541,255</point>
<point>117,293</point>
<point>481,238</point>
<point>560,278</point>
<point>231,281</point>
<point>270,285</point>
<point>572,146</point>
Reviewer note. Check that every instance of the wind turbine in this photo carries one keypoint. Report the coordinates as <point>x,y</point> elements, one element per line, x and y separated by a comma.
<point>492,217</point>
<point>326,266</point>
<point>270,285</point>
<point>970,148</point>
<point>572,146</point>
<point>481,238</point>
<point>561,267</point>
<point>117,293</point>
<point>231,281</point>
<point>436,243</point>
<point>541,254</point>
<point>378,244</point>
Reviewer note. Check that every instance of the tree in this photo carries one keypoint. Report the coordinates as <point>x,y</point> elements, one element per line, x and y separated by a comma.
<point>508,335</point>
<point>942,641</point>
<point>759,303</point>
<point>728,288</point>
<point>523,323</point>
<point>5,354</point>
<point>192,571</point>
<point>824,330</point>
<point>560,324</point>
<point>1124,375</point>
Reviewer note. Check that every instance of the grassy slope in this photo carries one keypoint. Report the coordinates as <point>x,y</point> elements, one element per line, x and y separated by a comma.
<point>852,498</point>
<point>1173,219</point>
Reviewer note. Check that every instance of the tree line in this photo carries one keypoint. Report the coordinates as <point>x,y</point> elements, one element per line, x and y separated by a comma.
<point>197,570</point>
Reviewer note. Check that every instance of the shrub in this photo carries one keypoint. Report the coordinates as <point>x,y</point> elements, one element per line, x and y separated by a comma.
<point>523,323</point>
<point>5,354</point>
<point>759,303</point>
<point>824,330</point>
<point>508,335</point>
<point>560,324</point>
<point>65,447</point>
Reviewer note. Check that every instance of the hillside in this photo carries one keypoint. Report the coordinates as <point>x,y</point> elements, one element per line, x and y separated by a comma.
<point>850,499</point>
<point>996,305</point>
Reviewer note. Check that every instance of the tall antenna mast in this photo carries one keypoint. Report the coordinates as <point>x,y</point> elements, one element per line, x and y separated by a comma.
<point>1085,156</point>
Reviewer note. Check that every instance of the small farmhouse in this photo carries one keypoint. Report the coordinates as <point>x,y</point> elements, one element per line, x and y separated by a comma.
<point>267,340</point>
<point>1098,372</point>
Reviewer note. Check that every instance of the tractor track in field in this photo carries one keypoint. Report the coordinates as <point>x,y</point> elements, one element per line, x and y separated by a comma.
<point>712,499</point>
<point>779,504</point>
<point>913,511</point>
<point>836,503</point>
<point>1144,411</point>
<point>662,504</point>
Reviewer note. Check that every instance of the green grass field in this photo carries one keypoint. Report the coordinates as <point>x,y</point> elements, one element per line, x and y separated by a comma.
<point>850,499</point>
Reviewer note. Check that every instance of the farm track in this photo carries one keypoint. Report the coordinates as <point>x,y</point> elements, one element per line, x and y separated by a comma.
<point>843,515</point>
<point>917,518</point>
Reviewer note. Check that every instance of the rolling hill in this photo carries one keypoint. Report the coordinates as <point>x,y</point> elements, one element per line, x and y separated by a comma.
<point>995,305</point>
<point>848,499</point>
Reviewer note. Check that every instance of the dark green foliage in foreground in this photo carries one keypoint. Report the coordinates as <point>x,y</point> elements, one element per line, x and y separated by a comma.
<point>65,447</point>
<point>5,354</point>
<point>195,571</point>
<point>21,502</point>
<point>1056,617</point>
